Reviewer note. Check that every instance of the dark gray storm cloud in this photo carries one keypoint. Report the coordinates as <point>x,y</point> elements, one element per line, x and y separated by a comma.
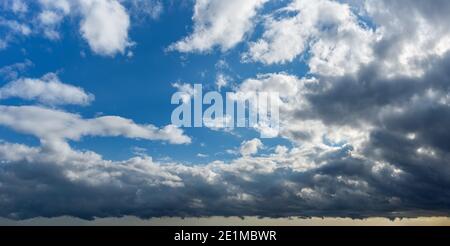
<point>343,186</point>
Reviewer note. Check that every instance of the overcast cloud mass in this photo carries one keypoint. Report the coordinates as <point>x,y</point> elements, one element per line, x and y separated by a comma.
<point>364,88</point>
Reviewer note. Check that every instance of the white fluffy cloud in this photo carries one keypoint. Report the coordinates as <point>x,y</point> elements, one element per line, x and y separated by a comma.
<point>105,25</point>
<point>55,126</point>
<point>334,39</point>
<point>47,90</point>
<point>329,30</point>
<point>250,147</point>
<point>219,23</point>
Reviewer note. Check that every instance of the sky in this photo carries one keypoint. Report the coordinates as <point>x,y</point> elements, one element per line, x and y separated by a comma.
<point>85,110</point>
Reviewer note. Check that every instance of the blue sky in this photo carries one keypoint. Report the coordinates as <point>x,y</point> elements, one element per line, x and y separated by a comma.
<point>85,112</point>
<point>139,87</point>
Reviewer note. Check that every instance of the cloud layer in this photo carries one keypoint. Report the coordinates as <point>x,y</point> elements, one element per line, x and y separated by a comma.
<point>367,123</point>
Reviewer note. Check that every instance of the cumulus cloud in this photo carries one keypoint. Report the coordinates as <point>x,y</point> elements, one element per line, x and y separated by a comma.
<point>250,147</point>
<point>291,100</point>
<point>328,30</point>
<point>386,119</point>
<point>219,23</point>
<point>47,90</point>
<point>105,25</point>
<point>285,183</point>
<point>334,38</point>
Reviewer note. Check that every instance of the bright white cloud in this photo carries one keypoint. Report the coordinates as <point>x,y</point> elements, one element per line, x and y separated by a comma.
<point>335,41</point>
<point>291,99</point>
<point>52,125</point>
<point>105,25</point>
<point>219,23</point>
<point>328,30</point>
<point>296,123</point>
<point>47,90</point>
